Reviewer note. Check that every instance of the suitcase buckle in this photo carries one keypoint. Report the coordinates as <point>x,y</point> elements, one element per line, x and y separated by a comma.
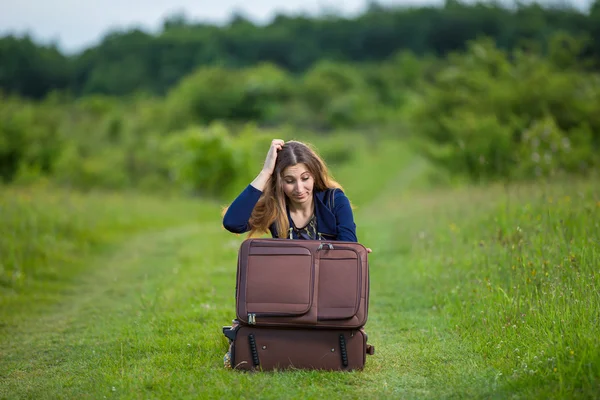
<point>325,244</point>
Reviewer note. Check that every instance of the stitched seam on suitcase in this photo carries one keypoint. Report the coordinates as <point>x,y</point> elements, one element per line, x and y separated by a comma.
<point>311,284</point>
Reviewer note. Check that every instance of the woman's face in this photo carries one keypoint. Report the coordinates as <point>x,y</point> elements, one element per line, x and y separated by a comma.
<point>298,184</point>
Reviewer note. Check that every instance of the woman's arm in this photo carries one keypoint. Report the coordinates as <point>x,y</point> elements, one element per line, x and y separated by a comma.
<point>346,228</point>
<point>236,218</point>
<point>261,180</point>
<point>237,215</point>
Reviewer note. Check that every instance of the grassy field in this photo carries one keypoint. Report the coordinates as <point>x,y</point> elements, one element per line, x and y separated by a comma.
<point>486,292</point>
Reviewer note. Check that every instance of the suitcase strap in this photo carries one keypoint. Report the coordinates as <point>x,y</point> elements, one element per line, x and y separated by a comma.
<point>253,351</point>
<point>343,350</point>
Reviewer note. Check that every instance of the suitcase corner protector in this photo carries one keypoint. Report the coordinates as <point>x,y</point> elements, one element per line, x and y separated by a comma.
<point>370,349</point>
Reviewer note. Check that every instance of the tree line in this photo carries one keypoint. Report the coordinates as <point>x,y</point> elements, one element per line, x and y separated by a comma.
<point>132,61</point>
<point>480,114</point>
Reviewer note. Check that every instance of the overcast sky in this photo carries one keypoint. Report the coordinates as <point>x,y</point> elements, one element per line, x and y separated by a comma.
<point>76,24</point>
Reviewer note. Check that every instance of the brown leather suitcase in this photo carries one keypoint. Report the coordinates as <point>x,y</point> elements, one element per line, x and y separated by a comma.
<point>266,349</point>
<point>302,283</point>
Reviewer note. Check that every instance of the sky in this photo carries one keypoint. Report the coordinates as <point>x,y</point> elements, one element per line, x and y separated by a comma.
<point>77,24</point>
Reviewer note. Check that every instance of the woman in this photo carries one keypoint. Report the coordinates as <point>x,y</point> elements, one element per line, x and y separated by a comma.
<point>293,197</point>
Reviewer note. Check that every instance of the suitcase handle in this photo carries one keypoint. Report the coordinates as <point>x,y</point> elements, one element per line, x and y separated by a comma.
<point>325,244</point>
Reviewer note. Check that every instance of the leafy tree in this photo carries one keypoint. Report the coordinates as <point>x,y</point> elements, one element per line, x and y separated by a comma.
<point>135,61</point>
<point>31,70</point>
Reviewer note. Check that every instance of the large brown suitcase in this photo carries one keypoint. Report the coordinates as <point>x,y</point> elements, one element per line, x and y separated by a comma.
<point>266,349</point>
<point>302,283</point>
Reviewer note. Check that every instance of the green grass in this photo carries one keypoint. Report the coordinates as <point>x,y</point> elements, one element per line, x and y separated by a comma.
<point>515,273</point>
<point>48,235</point>
<point>468,286</point>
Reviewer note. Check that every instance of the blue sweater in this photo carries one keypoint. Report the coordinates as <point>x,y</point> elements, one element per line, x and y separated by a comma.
<point>336,225</point>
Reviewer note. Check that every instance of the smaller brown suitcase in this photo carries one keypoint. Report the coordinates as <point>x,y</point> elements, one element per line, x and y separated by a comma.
<point>302,283</point>
<point>267,348</point>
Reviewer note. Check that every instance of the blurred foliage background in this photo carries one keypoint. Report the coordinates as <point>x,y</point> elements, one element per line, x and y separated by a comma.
<point>485,92</point>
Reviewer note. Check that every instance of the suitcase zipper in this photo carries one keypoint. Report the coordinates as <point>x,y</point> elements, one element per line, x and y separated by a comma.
<point>252,316</point>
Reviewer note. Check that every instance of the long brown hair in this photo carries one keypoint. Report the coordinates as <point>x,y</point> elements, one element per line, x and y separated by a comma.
<point>271,207</point>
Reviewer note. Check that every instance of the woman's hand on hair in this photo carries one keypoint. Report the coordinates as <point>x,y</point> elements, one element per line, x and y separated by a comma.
<point>269,166</point>
<point>265,174</point>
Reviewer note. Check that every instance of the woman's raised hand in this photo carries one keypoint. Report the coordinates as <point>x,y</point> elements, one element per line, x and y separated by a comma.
<point>265,174</point>
<point>269,167</point>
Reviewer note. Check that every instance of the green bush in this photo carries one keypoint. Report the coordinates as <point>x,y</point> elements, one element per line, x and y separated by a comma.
<point>486,111</point>
<point>338,95</point>
<point>543,147</point>
<point>205,161</point>
<point>12,139</point>
<point>30,137</point>
<point>215,93</point>
<point>105,168</point>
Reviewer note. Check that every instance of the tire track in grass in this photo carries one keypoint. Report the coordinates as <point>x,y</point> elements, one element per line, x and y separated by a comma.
<point>92,315</point>
<point>145,323</point>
